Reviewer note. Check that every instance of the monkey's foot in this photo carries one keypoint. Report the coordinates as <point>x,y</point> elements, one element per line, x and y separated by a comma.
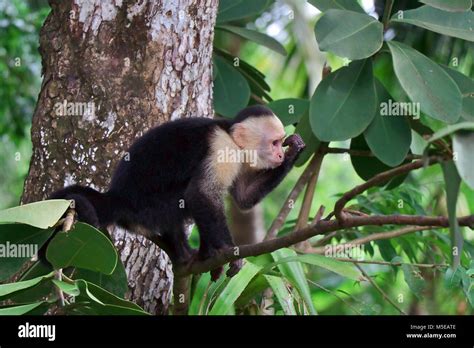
<point>234,267</point>
<point>216,273</point>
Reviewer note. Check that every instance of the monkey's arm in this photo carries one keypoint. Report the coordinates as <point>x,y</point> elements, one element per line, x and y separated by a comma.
<point>248,190</point>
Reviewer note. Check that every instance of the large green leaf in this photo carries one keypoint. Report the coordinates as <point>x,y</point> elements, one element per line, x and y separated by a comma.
<point>466,86</point>
<point>231,90</point>
<point>463,147</point>
<point>42,214</point>
<point>388,136</point>
<point>324,5</point>
<point>453,181</point>
<point>289,110</point>
<point>456,24</point>
<point>21,239</point>
<point>426,83</point>
<point>83,247</point>
<point>20,310</point>
<point>231,10</point>
<point>368,167</point>
<point>360,36</point>
<point>234,288</point>
<point>449,5</point>
<point>303,128</point>
<point>255,36</point>
<point>116,282</point>
<point>281,292</point>
<point>294,272</point>
<point>344,103</point>
<point>10,288</point>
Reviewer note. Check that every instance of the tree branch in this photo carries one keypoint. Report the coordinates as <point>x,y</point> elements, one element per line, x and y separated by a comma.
<point>376,180</point>
<point>322,227</point>
<point>363,153</point>
<point>295,192</point>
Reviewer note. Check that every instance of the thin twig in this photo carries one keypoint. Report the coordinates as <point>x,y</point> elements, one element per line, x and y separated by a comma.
<point>292,197</point>
<point>377,180</point>
<point>386,13</point>
<point>379,289</point>
<point>335,295</point>
<point>386,263</point>
<point>67,223</point>
<point>372,237</point>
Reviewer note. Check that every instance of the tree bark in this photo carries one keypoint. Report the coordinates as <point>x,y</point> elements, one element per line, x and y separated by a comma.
<point>138,64</point>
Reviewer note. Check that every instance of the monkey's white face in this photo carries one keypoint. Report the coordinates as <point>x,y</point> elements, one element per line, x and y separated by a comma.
<point>265,136</point>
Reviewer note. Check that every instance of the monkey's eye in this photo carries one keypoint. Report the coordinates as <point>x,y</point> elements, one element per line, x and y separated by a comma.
<point>275,142</point>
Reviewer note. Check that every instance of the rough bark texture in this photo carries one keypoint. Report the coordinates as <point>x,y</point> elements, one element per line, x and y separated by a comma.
<point>140,63</point>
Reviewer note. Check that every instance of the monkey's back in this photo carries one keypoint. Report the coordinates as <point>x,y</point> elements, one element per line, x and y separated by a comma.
<point>163,160</point>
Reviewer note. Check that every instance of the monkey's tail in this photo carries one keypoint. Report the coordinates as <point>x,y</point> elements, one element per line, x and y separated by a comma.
<point>91,206</point>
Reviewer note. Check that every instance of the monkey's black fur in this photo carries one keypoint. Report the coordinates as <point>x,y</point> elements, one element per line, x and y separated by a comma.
<point>159,187</point>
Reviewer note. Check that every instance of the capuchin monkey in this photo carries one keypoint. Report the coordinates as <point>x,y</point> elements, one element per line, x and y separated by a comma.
<point>182,170</point>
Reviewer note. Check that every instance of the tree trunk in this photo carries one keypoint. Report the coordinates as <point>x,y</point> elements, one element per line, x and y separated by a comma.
<point>113,69</point>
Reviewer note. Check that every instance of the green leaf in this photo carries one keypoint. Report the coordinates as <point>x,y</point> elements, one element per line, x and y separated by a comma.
<point>200,292</point>
<point>116,282</point>
<point>452,278</point>
<point>255,36</point>
<point>453,182</point>
<point>354,89</point>
<point>289,110</point>
<point>463,147</point>
<point>342,268</point>
<point>281,292</point>
<point>42,214</point>
<point>466,86</point>
<point>450,130</point>
<point>303,128</point>
<point>413,277</point>
<point>388,137</point>
<point>70,289</point>
<point>83,246</point>
<point>456,24</point>
<point>10,288</point>
<point>368,167</point>
<point>324,5</point>
<point>360,36</point>
<point>231,10</point>
<point>234,288</point>
<point>100,295</point>
<point>386,249</point>
<point>24,241</point>
<point>231,90</point>
<point>450,5</point>
<point>20,310</point>
<point>293,271</point>
<point>426,83</point>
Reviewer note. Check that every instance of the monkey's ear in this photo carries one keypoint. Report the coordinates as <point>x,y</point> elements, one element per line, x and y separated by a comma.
<point>239,134</point>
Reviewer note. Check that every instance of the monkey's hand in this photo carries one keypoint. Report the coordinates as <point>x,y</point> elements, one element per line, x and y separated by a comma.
<point>296,145</point>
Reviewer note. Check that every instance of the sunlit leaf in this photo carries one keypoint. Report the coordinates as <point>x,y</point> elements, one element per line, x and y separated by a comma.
<point>360,36</point>
<point>426,83</point>
<point>42,214</point>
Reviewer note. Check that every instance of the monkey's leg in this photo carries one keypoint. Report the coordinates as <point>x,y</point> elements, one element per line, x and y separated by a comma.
<point>176,244</point>
<point>208,214</point>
